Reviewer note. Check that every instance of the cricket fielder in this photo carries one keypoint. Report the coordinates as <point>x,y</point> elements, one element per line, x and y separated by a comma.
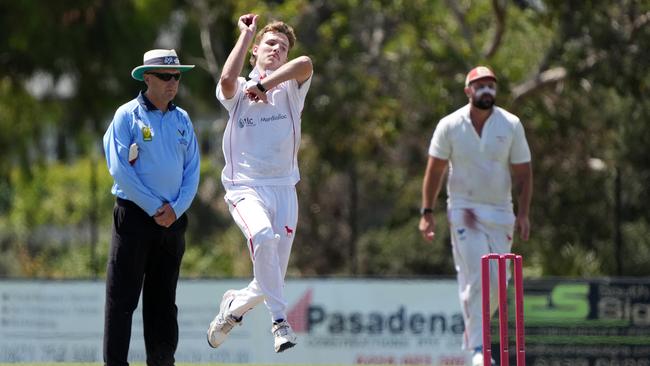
<point>485,149</point>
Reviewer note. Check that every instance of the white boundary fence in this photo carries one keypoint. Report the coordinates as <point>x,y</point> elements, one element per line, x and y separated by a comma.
<point>338,321</point>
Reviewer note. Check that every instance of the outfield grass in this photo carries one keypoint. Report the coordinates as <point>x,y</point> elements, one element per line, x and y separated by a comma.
<point>144,364</point>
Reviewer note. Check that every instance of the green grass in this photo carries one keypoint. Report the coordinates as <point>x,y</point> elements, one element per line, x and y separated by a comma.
<point>143,364</point>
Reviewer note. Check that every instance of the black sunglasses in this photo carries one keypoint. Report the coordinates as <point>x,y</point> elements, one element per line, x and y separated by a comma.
<point>166,77</point>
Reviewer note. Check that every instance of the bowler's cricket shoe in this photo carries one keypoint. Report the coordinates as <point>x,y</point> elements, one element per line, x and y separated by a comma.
<point>284,336</point>
<point>477,359</point>
<point>223,322</point>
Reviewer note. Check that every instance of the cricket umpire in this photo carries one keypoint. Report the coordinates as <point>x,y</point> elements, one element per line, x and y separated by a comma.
<point>152,155</point>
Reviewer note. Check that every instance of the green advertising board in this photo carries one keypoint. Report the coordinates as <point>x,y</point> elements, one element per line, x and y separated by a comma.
<point>602,322</point>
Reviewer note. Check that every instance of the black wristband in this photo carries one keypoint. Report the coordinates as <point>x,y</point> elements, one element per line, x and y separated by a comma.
<point>261,87</point>
<point>425,211</point>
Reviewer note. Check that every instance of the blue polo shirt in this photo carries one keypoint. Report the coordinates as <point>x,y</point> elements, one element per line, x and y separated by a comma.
<point>167,167</point>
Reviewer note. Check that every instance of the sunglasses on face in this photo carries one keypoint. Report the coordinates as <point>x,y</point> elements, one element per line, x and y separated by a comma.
<point>165,76</point>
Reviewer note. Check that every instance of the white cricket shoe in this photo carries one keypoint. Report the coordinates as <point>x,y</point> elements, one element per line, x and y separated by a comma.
<point>223,322</point>
<point>284,336</point>
<point>477,359</point>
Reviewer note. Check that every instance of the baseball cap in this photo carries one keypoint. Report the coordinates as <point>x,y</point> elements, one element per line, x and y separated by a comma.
<point>479,72</point>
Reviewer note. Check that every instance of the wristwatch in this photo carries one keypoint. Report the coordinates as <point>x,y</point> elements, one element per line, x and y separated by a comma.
<point>425,211</point>
<point>261,87</point>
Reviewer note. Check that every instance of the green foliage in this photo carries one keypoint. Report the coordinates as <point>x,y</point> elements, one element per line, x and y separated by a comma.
<point>59,195</point>
<point>224,255</point>
<point>385,73</point>
<point>383,253</point>
<point>51,218</point>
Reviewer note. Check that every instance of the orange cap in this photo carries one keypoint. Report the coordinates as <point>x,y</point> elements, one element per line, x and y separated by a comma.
<point>479,72</point>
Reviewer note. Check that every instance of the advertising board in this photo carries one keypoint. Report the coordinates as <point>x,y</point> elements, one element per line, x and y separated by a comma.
<point>597,322</point>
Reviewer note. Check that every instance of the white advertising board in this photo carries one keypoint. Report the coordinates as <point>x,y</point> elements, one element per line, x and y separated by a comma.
<point>342,321</point>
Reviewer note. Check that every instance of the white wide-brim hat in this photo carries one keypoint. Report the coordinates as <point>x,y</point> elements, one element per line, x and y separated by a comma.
<point>159,59</point>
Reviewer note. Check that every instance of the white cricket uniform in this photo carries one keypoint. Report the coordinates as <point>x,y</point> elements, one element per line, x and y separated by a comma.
<point>260,146</point>
<point>479,204</point>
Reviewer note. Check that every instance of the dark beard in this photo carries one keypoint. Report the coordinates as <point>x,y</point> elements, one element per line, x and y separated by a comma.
<point>483,103</point>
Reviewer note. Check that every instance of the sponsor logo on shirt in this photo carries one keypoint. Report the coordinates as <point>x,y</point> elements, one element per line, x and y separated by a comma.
<point>250,122</point>
<point>182,139</point>
<point>246,122</point>
<point>275,117</point>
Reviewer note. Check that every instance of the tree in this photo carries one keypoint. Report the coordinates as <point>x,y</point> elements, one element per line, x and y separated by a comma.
<point>385,73</point>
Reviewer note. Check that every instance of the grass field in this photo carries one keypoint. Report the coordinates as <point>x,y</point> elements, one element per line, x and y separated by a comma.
<point>143,364</point>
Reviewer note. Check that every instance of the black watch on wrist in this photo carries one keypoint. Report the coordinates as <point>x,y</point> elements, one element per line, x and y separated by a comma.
<point>261,87</point>
<point>425,211</point>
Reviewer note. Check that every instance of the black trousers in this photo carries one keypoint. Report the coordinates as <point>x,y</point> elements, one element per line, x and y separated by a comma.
<point>144,257</point>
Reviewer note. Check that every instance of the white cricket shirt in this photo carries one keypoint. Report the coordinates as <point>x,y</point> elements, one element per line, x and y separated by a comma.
<point>479,167</point>
<point>261,140</point>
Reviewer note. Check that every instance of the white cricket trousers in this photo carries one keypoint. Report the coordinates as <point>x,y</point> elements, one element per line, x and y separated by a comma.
<point>267,216</point>
<point>474,233</point>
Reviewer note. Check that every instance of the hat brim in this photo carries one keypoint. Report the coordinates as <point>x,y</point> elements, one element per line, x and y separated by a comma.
<point>140,70</point>
<point>481,78</point>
